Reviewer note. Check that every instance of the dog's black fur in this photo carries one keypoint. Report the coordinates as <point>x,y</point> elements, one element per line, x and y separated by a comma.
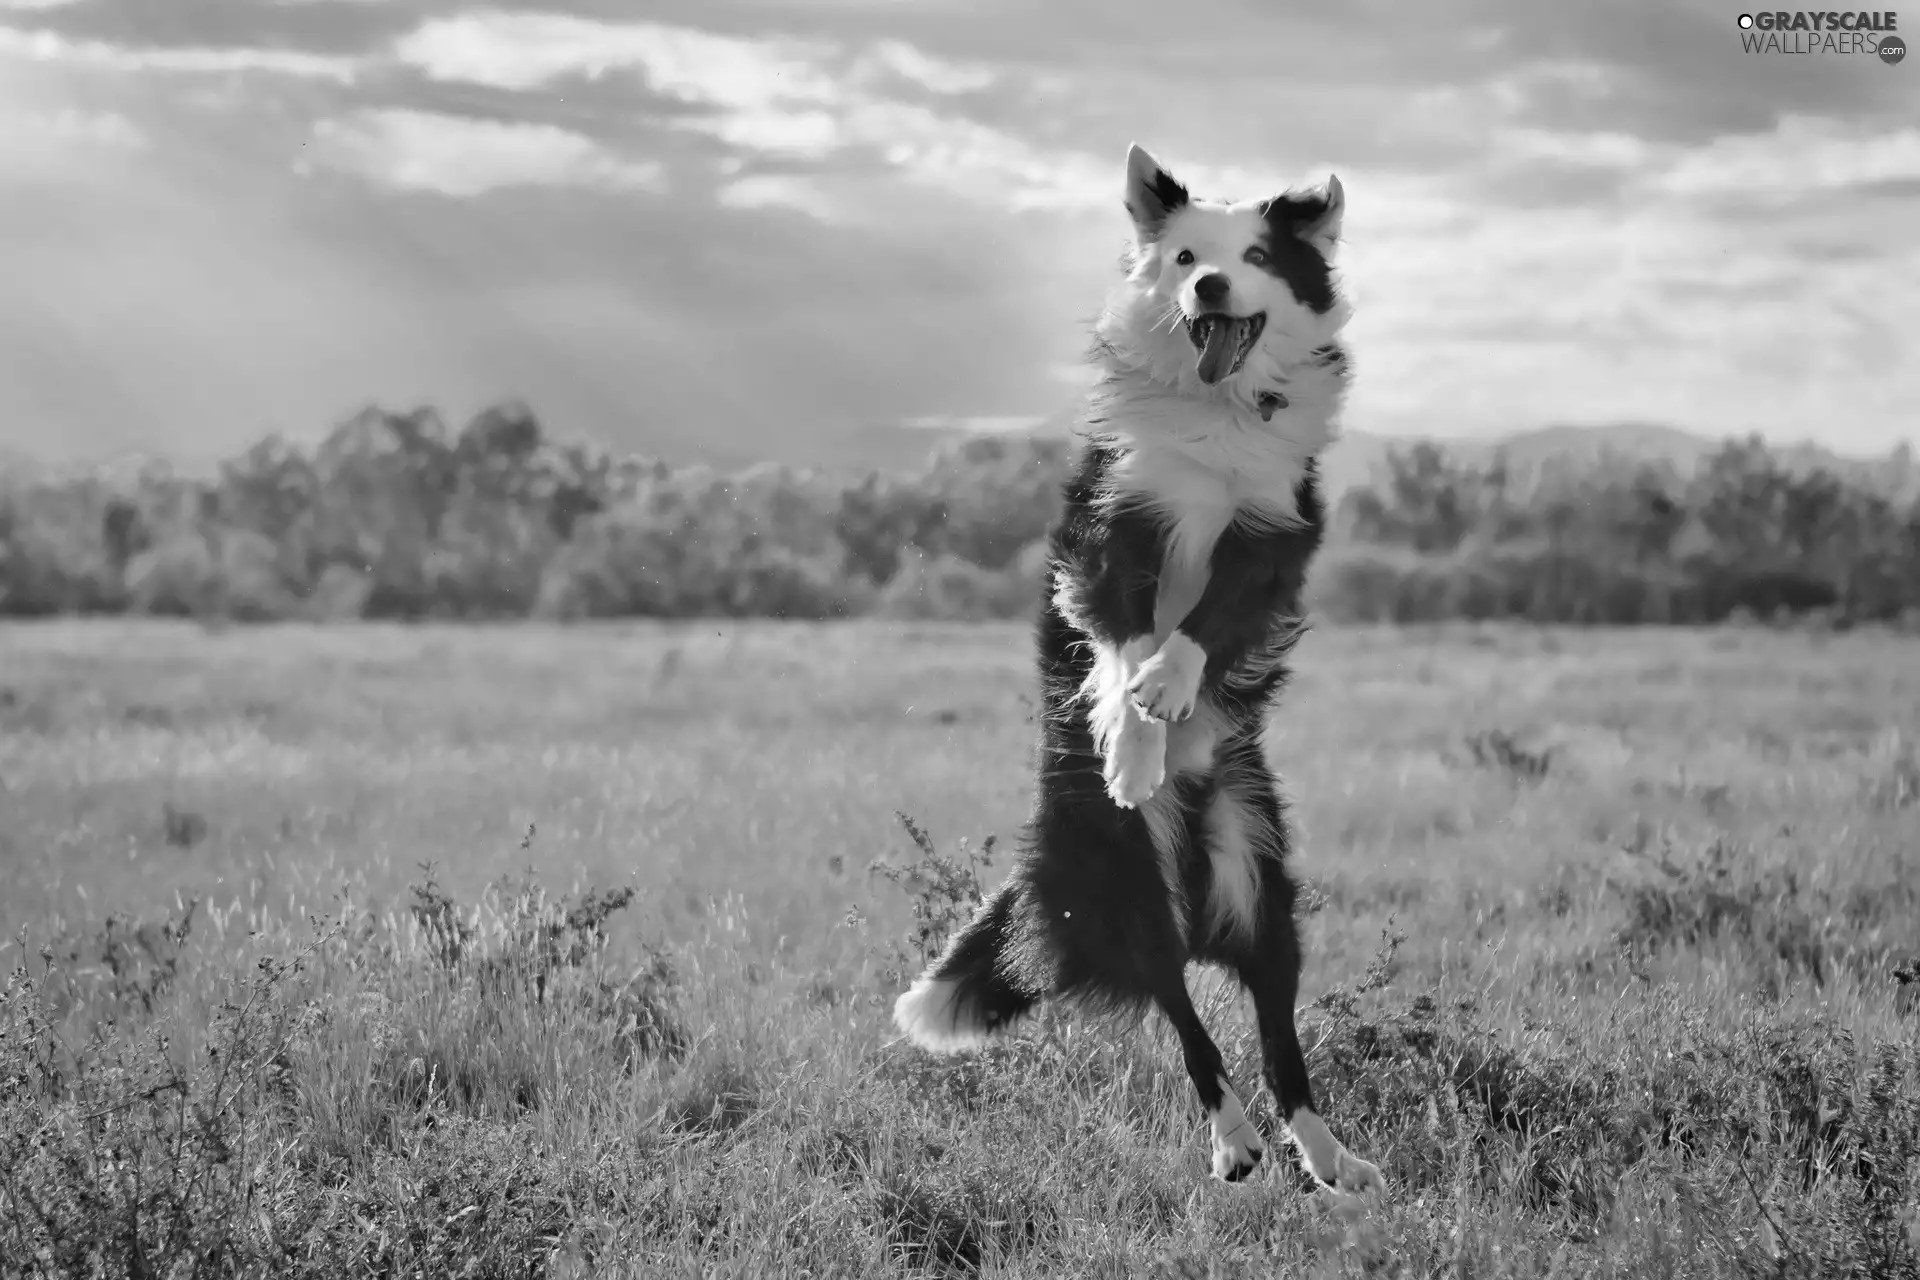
<point>1085,913</point>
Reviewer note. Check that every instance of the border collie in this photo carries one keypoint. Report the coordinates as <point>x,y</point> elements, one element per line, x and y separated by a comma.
<point>1158,834</point>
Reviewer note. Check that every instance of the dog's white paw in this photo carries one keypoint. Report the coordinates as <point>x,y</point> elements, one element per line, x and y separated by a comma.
<point>1355,1187</point>
<point>1346,1179</point>
<point>1168,684</point>
<point>1235,1159</point>
<point>1350,1187</point>
<point>1236,1143</point>
<point>1136,761</point>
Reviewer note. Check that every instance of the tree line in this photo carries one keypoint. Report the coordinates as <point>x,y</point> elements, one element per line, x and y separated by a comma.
<point>395,515</point>
<point>1626,540</point>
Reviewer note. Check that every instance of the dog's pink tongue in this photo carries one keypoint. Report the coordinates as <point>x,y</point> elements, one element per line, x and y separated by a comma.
<point>1216,358</point>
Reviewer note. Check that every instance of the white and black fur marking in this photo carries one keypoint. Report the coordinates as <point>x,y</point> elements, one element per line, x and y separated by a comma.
<point>1158,834</point>
<point>1236,1143</point>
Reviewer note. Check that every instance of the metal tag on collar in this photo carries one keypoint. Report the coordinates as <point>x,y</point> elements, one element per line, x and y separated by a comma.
<point>1269,403</point>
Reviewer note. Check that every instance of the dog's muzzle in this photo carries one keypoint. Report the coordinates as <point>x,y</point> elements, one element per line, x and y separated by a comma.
<point>1223,342</point>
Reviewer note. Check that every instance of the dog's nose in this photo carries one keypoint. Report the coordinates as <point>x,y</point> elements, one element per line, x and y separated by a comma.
<point>1211,289</point>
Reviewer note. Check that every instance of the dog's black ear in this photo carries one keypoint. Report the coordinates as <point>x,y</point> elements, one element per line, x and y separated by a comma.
<point>1152,193</point>
<point>1313,216</point>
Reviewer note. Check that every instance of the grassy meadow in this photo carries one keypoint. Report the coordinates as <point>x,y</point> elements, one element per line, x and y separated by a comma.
<point>324,960</point>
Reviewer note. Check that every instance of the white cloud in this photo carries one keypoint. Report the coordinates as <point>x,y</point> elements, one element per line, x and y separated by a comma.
<point>1518,91</point>
<point>978,162</point>
<point>33,6</point>
<point>49,46</point>
<point>460,156</point>
<point>63,137</point>
<point>1651,309</point>
<point>805,134</point>
<point>1801,155</point>
<point>776,97</point>
<point>507,50</point>
<point>1598,149</point>
<point>777,191</point>
<point>519,50</point>
<point>897,57</point>
<point>68,124</point>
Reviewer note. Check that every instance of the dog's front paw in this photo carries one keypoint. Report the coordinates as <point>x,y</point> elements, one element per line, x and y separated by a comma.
<point>1168,684</point>
<point>1136,762</point>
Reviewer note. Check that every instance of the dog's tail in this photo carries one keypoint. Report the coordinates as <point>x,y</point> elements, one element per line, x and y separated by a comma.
<point>969,993</point>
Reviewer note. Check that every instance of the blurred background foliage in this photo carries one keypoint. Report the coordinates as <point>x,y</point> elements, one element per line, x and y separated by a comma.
<point>398,516</point>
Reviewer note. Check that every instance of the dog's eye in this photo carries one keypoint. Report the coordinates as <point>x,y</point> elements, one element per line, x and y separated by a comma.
<point>1256,256</point>
<point>1184,257</point>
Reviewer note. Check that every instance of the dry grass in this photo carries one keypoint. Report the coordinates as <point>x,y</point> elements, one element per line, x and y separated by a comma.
<point>1606,964</point>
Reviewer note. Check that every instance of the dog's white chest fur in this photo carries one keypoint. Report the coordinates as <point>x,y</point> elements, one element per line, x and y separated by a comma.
<point>1218,469</point>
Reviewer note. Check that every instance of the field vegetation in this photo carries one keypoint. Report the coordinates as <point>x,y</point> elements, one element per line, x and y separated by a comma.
<point>532,950</point>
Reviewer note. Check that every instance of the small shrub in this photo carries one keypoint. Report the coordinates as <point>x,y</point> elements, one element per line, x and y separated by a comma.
<point>125,967</point>
<point>530,941</point>
<point>530,937</point>
<point>120,1159</point>
<point>1723,897</point>
<point>943,893</point>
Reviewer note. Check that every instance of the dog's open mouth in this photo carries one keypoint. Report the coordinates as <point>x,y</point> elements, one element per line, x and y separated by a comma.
<point>1223,342</point>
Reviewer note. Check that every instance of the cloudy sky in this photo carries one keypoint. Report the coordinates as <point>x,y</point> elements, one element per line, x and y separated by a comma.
<point>762,228</point>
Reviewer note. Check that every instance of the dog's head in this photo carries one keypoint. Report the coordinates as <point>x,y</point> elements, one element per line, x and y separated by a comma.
<point>1228,294</point>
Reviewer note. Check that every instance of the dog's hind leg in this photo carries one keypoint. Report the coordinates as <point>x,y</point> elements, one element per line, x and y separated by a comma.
<point>1269,965</point>
<point>1324,1156</point>
<point>1109,903</point>
<point>1236,1142</point>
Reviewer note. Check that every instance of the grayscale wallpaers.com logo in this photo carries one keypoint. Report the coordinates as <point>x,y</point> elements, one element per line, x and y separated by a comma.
<point>1801,32</point>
